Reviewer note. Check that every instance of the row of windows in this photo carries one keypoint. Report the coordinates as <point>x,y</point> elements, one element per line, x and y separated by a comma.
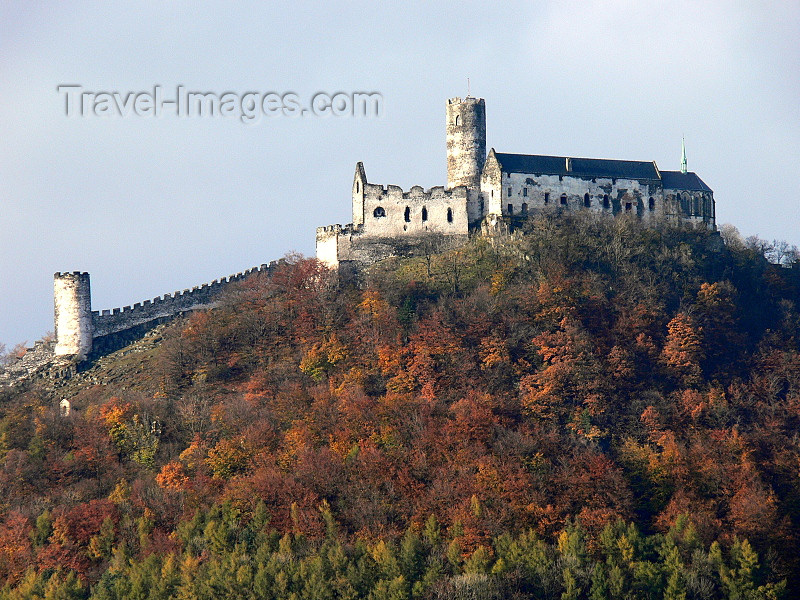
<point>694,206</point>
<point>587,202</point>
<point>380,212</point>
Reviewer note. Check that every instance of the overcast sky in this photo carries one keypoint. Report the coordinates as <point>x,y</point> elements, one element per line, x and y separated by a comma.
<point>150,205</point>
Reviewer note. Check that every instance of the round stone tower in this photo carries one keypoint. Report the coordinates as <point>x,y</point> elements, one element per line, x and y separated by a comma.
<point>73,314</point>
<point>466,141</point>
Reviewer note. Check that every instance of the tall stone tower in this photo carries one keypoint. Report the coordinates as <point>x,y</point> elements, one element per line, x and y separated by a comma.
<point>466,141</point>
<point>73,314</point>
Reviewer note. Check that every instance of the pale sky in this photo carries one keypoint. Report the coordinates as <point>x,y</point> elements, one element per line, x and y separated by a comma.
<point>152,205</point>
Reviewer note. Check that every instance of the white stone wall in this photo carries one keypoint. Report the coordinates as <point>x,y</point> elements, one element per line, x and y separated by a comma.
<point>73,314</point>
<point>328,244</point>
<point>604,194</point>
<point>491,194</point>
<point>390,212</point>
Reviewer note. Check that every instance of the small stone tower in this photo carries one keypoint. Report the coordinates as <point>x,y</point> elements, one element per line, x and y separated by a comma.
<point>466,141</point>
<point>73,314</point>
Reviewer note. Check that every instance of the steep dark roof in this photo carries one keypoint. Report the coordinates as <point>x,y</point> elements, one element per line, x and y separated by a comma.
<point>675,180</point>
<point>579,167</point>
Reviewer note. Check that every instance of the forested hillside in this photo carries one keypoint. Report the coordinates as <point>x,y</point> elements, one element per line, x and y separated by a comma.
<point>591,409</point>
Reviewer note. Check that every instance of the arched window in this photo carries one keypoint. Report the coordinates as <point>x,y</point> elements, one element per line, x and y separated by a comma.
<point>378,212</point>
<point>651,204</point>
<point>524,208</point>
<point>696,207</point>
<point>458,120</point>
<point>424,214</point>
<point>407,215</point>
<point>606,203</point>
<point>587,201</point>
<point>563,199</point>
<point>449,215</point>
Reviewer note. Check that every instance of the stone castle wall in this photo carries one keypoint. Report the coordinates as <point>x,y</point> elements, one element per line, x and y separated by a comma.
<point>120,319</point>
<point>396,223</point>
<point>521,193</point>
<point>389,211</point>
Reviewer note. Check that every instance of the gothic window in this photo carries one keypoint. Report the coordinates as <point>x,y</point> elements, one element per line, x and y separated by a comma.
<point>378,212</point>
<point>586,201</point>
<point>547,197</point>
<point>511,209</point>
<point>563,199</point>
<point>651,204</point>
<point>424,214</point>
<point>606,203</point>
<point>407,215</point>
<point>696,207</point>
<point>449,215</point>
<point>524,208</point>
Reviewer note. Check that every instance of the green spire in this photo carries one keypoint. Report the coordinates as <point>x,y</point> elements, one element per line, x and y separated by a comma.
<point>683,155</point>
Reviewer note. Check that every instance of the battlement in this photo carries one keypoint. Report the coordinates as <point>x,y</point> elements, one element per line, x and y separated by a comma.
<point>395,193</point>
<point>348,229</point>
<point>115,320</point>
<point>465,100</point>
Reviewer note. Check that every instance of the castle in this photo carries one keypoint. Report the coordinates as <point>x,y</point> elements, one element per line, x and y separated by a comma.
<point>491,193</point>
<point>494,193</point>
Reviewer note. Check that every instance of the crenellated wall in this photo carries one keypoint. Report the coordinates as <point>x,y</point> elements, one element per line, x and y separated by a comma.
<point>388,221</point>
<point>82,333</point>
<point>119,319</point>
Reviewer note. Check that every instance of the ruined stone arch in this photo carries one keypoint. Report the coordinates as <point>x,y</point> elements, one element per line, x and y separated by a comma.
<point>379,212</point>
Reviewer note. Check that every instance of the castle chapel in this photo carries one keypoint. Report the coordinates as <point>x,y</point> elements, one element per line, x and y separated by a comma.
<point>496,192</point>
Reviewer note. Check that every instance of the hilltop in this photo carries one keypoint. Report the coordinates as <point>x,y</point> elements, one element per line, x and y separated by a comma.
<point>590,408</point>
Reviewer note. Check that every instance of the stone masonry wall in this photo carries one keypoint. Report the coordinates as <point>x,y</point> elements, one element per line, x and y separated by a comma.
<point>120,319</point>
<point>389,211</point>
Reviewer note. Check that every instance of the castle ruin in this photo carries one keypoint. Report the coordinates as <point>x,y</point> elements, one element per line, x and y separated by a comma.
<point>491,194</point>
<point>494,193</point>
